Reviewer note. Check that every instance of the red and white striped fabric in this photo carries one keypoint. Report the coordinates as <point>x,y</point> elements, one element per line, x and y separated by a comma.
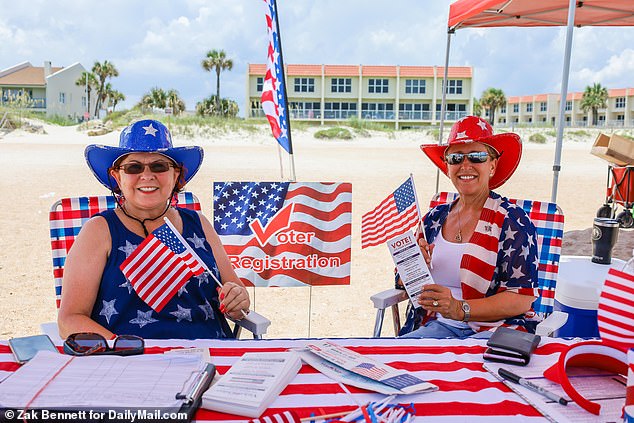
<point>629,393</point>
<point>285,417</point>
<point>466,391</point>
<point>616,309</point>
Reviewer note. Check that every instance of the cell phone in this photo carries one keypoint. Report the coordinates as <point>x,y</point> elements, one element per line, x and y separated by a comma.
<point>24,348</point>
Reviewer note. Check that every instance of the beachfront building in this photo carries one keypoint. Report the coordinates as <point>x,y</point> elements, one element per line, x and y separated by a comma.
<point>46,89</point>
<point>543,110</point>
<point>403,96</point>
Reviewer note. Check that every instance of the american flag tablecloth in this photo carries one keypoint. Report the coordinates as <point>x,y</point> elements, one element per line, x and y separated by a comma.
<point>467,392</point>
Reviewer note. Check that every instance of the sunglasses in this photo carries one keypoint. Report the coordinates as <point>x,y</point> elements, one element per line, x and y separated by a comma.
<point>87,343</point>
<point>473,157</point>
<point>155,167</point>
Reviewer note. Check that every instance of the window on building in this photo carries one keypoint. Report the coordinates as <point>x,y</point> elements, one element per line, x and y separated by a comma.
<point>516,108</point>
<point>83,101</point>
<point>568,106</point>
<point>503,109</point>
<point>339,110</point>
<point>453,107</point>
<point>543,106</point>
<point>620,103</point>
<point>416,111</point>
<point>304,85</point>
<point>341,85</point>
<point>414,86</point>
<point>377,110</point>
<point>62,98</point>
<point>529,108</point>
<point>305,109</point>
<point>259,84</point>
<point>620,118</point>
<point>378,85</point>
<point>454,86</point>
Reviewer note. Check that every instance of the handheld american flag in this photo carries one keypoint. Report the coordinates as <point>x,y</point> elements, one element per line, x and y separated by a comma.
<point>160,266</point>
<point>274,90</point>
<point>286,233</point>
<point>397,214</point>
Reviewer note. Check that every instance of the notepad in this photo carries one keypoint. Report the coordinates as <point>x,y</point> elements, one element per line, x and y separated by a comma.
<point>104,382</point>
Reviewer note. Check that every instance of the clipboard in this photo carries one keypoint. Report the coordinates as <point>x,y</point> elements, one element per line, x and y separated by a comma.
<point>193,397</point>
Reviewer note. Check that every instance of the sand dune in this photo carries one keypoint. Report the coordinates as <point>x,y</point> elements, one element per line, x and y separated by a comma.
<point>36,170</point>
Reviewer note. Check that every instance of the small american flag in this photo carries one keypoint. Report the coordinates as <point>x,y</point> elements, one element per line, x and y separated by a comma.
<point>159,267</point>
<point>616,309</point>
<point>369,370</point>
<point>273,91</point>
<point>397,214</point>
<point>284,417</point>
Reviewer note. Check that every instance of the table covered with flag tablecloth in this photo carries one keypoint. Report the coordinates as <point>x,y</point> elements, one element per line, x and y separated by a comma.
<point>466,391</point>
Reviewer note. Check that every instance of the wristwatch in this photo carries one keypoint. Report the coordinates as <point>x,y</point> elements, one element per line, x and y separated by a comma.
<point>467,311</point>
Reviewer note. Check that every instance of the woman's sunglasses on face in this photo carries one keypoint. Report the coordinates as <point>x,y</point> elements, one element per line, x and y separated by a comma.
<point>86,343</point>
<point>159,166</point>
<point>473,157</point>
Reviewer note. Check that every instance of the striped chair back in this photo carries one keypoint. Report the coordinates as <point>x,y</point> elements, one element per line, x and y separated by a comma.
<point>549,222</point>
<point>68,215</point>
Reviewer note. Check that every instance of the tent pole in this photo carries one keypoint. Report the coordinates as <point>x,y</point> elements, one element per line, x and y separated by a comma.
<point>443,103</point>
<point>562,99</point>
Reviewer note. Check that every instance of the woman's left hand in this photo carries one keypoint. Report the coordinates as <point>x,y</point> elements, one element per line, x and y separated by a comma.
<point>438,298</point>
<point>234,300</point>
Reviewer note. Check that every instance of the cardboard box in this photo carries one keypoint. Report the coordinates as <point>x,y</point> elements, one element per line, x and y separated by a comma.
<point>615,149</point>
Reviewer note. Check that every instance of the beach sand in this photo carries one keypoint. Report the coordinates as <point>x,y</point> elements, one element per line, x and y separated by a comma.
<point>38,169</point>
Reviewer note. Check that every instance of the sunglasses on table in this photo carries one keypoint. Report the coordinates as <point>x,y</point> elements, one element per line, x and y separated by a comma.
<point>87,343</point>
<point>473,157</point>
<point>155,167</point>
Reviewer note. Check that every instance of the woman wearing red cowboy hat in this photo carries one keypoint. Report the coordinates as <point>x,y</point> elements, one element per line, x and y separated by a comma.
<point>144,173</point>
<point>483,248</point>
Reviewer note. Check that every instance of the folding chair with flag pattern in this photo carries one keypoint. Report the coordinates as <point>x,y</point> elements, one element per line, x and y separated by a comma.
<point>68,215</point>
<point>549,222</point>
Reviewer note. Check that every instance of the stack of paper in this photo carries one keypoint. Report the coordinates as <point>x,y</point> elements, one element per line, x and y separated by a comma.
<point>252,383</point>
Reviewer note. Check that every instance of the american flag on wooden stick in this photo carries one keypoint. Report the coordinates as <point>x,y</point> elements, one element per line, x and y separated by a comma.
<point>160,266</point>
<point>274,89</point>
<point>397,214</point>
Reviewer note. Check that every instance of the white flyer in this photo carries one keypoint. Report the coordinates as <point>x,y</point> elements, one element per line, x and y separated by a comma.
<point>410,264</point>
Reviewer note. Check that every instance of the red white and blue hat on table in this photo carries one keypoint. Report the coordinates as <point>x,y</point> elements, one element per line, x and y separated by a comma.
<point>471,129</point>
<point>144,136</point>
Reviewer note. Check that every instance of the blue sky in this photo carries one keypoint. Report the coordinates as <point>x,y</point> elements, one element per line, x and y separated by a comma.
<point>162,42</point>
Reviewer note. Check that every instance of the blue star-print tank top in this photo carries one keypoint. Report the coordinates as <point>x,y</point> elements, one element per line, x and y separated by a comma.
<point>191,314</point>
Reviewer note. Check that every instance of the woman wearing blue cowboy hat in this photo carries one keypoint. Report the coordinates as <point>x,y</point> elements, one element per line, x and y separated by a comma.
<point>144,173</point>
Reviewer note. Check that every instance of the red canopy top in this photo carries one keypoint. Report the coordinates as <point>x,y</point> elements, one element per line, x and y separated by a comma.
<point>491,13</point>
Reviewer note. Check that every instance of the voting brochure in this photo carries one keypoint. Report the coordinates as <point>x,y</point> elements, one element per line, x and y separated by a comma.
<point>400,381</point>
<point>410,264</point>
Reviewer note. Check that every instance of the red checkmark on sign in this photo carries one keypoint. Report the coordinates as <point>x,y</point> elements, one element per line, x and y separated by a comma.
<point>279,222</point>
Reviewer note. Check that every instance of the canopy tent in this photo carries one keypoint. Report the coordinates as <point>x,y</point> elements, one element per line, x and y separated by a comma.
<point>532,13</point>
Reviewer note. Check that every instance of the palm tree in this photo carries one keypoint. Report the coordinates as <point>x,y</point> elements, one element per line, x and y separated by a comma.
<point>477,107</point>
<point>175,102</point>
<point>491,99</point>
<point>102,72</point>
<point>156,98</point>
<point>115,97</point>
<point>88,80</point>
<point>217,59</point>
<point>595,97</point>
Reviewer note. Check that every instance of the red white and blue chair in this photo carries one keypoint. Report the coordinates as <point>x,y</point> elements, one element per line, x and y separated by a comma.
<point>549,222</point>
<point>68,215</point>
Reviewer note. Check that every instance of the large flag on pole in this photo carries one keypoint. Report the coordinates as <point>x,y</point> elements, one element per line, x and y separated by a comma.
<point>160,266</point>
<point>286,233</point>
<point>274,89</point>
<point>397,214</point>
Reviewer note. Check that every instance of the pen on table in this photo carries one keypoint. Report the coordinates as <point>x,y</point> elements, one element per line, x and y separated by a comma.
<point>527,384</point>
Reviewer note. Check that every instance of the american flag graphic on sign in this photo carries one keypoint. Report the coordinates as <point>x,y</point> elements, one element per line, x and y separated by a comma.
<point>369,370</point>
<point>616,309</point>
<point>273,97</point>
<point>159,267</point>
<point>397,214</point>
<point>286,233</point>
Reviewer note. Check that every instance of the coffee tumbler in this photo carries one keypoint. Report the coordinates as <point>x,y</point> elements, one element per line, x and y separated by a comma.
<point>604,235</point>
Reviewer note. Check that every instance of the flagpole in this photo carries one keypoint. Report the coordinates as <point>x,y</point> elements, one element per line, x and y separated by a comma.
<point>191,251</point>
<point>420,217</point>
<point>279,156</point>
<point>288,116</point>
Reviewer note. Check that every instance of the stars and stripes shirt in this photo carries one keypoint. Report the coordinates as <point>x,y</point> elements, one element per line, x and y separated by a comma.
<point>191,314</point>
<point>501,256</point>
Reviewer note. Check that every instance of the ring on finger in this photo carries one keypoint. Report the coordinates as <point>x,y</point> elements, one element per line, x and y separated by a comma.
<point>435,303</point>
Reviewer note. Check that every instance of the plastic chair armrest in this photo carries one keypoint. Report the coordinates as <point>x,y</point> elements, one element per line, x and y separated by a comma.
<point>255,323</point>
<point>388,298</point>
<point>551,323</point>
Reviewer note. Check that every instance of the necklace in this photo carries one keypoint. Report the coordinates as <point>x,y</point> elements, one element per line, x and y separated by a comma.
<point>142,222</point>
<point>458,236</point>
